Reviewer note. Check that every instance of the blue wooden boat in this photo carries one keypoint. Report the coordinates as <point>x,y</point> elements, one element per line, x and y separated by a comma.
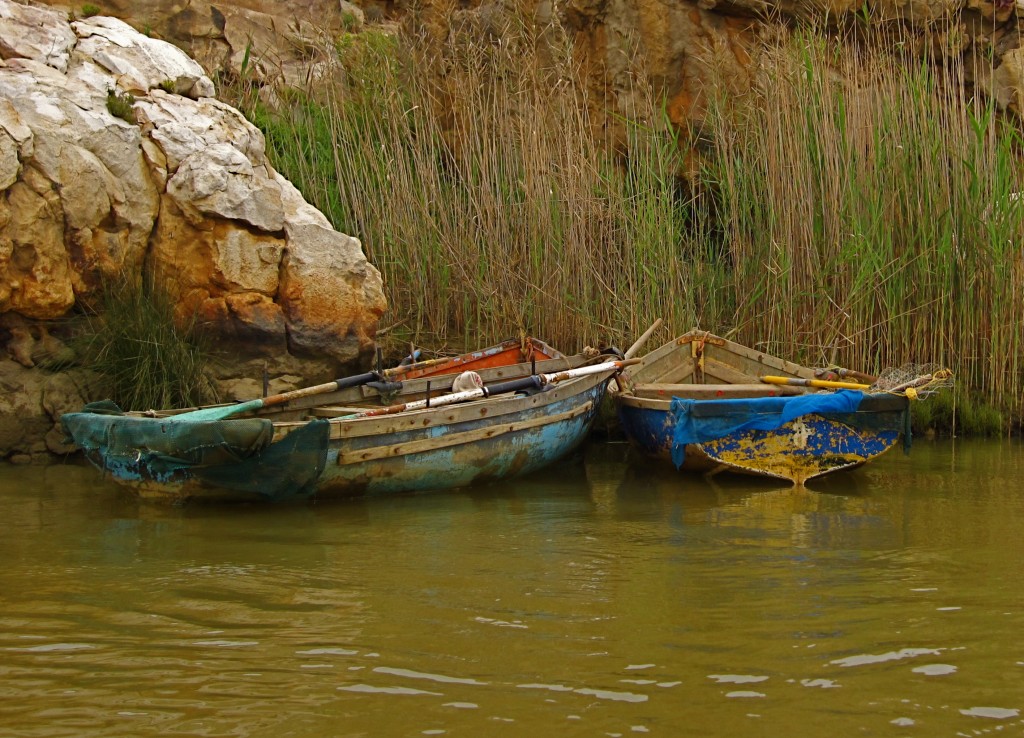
<point>369,439</point>
<point>703,403</point>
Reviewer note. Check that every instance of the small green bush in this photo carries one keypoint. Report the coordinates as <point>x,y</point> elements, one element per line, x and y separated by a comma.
<point>167,86</point>
<point>349,22</point>
<point>120,105</point>
<point>958,412</point>
<point>89,10</point>
<point>144,358</point>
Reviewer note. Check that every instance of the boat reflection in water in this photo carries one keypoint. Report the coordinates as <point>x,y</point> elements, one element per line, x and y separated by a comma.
<point>832,512</point>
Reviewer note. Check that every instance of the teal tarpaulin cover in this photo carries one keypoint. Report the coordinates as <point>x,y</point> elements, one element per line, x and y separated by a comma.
<point>237,454</point>
<point>695,421</point>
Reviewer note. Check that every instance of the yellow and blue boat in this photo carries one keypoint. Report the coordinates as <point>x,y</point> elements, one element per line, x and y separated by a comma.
<point>708,404</point>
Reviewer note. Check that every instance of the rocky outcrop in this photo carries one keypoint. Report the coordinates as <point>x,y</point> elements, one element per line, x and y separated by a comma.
<point>270,40</point>
<point>678,41</point>
<point>116,158</point>
<point>685,45</point>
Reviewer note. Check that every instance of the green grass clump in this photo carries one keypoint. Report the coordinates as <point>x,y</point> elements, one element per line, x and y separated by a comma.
<point>957,412</point>
<point>145,360</point>
<point>120,105</point>
<point>89,10</point>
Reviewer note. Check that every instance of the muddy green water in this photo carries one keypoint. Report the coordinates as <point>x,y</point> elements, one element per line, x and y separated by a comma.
<point>597,601</point>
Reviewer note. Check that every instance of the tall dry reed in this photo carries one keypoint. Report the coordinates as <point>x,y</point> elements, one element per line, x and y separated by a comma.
<point>872,208</point>
<point>854,206</point>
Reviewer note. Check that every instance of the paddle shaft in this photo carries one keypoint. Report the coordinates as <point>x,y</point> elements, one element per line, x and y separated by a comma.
<point>631,351</point>
<point>220,412</point>
<point>337,384</point>
<point>534,381</point>
<point>823,383</point>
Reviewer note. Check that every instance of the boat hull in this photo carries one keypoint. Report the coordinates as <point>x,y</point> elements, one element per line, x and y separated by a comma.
<point>708,404</point>
<point>799,450</point>
<point>429,449</point>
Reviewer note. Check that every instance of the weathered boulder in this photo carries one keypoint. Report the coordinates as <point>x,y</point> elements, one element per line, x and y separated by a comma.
<point>269,40</point>
<point>176,183</point>
<point>31,403</point>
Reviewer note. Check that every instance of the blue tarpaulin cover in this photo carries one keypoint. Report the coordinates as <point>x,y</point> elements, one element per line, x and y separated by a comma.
<point>694,421</point>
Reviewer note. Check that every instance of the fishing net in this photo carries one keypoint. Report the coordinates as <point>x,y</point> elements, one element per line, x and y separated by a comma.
<point>914,380</point>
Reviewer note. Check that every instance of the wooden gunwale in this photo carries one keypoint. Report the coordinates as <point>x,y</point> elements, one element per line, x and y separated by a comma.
<point>411,389</point>
<point>493,407</point>
<point>712,391</point>
<point>456,439</point>
<point>724,360</point>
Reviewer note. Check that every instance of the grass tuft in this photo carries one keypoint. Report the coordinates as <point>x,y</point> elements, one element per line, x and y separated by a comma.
<point>144,359</point>
<point>120,105</point>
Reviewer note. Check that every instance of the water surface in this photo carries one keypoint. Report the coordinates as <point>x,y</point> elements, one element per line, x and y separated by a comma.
<point>600,599</point>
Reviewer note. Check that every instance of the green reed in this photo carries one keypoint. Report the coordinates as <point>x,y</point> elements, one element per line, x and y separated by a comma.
<point>852,207</point>
<point>145,359</point>
<point>487,201</point>
<point>871,200</point>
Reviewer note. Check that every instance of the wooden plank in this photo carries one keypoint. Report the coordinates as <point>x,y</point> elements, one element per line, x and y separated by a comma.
<point>456,439</point>
<point>756,362</point>
<point>715,369</point>
<point>712,391</point>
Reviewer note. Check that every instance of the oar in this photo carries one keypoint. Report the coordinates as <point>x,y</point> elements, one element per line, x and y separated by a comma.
<point>852,373</point>
<point>534,381</point>
<point>631,351</point>
<point>824,383</point>
<point>220,413</point>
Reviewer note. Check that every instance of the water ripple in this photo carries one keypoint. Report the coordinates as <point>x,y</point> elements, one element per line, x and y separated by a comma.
<point>52,647</point>
<point>903,653</point>
<point>998,713</point>
<point>934,669</point>
<point>423,675</point>
<point>737,678</point>
<point>385,690</point>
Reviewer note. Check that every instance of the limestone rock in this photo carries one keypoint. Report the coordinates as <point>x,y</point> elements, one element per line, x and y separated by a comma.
<point>183,189</point>
<point>140,63</point>
<point>220,181</point>
<point>28,32</point>
<point>323,313</point>
<point>182,127</point>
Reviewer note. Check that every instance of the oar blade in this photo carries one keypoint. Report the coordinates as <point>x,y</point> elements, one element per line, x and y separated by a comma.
<point>219,413</point>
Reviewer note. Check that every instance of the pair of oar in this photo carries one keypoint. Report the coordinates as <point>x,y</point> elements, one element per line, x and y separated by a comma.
<point>223,412</point>
<point>534,381</point>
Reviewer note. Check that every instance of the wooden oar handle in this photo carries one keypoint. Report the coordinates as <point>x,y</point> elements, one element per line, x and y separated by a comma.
<point>337,384</point>
<point>823,383</point>
<point>631,351</point>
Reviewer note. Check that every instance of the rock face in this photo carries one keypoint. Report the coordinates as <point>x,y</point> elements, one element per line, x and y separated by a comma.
<point>681,40</point>
<point>178,184</point>
<point>281,41</point>
<point>270,39</point>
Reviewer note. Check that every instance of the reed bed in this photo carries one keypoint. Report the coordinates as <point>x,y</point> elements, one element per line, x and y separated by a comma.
<point>853,206</point>
<point>871,205</point>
